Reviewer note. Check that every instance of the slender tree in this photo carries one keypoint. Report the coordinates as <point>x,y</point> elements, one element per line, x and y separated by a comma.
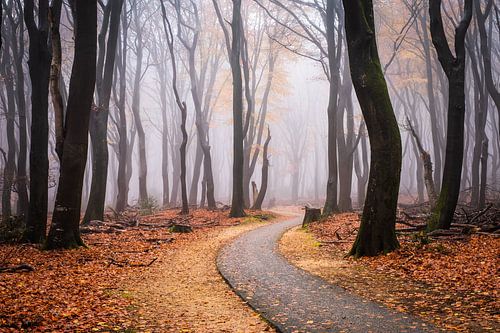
<point>182,108</point>
<point>64,230</point>
<point>454,68</point>
<point>233,45</point>
<point>377,232</point>
<point>238,202</point>
<point>123,153</point>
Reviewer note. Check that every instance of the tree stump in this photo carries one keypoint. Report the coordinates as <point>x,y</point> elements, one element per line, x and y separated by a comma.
<point>311,215</point>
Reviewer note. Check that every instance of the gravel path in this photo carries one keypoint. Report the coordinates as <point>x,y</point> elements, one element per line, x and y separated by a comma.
<point>296,301</point>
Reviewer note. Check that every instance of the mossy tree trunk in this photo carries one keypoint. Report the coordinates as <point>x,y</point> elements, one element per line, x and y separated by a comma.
<point>64,230</point>
<point>377,232</point>
<point>454,68</point>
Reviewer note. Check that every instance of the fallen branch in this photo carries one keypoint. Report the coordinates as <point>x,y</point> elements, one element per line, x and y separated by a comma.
<point>18,268</point>
<point>481,213</point>
<point>112,261</point>
<point>336,242</point>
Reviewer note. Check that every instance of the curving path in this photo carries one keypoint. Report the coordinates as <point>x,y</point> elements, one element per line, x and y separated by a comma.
<point>296,301</point>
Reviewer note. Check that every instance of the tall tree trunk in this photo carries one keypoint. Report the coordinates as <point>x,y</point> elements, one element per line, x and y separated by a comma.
<point>64,230</point>
<point>136,109</point>
<point>164,141</point>
<point>55,74</point>
<point>39,66</point>
<point>435,128</point>
<point>334,63</point>
<point>99,118</point>
<point>123,153</point>
<point>486,51</point>
<point>21,179</point>
<point>480,98</point>
<point>182,108</point>
<point>454,68</point>
<point>377,232</point>
<point>345,143</point>
<point>10,164</point>
<point>237,203</point>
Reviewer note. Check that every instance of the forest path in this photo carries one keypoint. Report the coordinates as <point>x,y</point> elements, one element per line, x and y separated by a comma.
<point>296,301</point>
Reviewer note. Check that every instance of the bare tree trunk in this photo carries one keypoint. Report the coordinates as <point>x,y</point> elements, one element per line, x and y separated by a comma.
<point>64,230</point>
<point>486,51</point>
<point>427,165</point>
<point>265,174</point>
<point>361,167</point>
<point>334,63</point>
<point>55,74</point>
<point>454,67</point>
<point>238,202</point>
<point>99,118</point>
<point>377,232</point>
<point>435,128</point>
<point>136,107</point>
<point>21,179</point>
<point>39,66</point>
<point>182,108</point>
<point>123,149</point>
<point>10,164</point>
<point>345,143</point>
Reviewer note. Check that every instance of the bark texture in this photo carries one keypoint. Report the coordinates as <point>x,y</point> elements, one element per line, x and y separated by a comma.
<point>377,232</point>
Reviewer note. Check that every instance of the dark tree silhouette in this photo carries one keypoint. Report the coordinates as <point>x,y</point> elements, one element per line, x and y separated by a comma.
<point>233,45</point>
<point>39,67</point>
<point>64,230</point>
<point>454,68</point>
<point>377,230</point>
<point>99,116</point>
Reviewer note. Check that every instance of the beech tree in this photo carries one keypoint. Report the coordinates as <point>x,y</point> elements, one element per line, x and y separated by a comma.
<point>377,232</point>
<point>100,114</point>
<point>64,230</point>
<point>39,64</point>
<point>454,68</point>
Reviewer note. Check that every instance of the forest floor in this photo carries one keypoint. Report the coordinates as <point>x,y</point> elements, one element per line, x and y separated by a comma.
<point>451,283</point>
<point>143,278</point>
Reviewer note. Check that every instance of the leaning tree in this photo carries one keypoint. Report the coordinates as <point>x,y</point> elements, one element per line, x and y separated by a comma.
<point>377,232</point>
